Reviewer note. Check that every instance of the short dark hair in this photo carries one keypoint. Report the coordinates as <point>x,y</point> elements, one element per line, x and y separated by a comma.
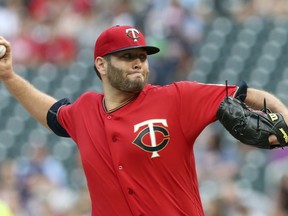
<point>107,58</point>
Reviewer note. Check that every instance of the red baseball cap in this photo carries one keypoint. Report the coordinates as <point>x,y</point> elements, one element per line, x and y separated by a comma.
<point>119,38</point>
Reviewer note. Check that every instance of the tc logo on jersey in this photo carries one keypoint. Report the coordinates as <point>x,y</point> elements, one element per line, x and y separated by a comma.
<point>152,127</point>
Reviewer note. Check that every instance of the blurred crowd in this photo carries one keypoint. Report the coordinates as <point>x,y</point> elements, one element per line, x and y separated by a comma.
<point>38,185</point>
<point>234,179</point>
<point>239,180</point>
<point>60,31</point>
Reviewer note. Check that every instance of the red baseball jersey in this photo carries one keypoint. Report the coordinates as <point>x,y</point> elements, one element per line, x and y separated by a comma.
<point>139,160</point>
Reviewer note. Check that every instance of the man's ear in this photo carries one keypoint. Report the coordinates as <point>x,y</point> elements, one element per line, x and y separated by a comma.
<point>100,64</point>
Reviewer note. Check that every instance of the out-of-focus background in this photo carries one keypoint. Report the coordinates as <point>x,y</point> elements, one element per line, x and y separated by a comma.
<point>208,41</point>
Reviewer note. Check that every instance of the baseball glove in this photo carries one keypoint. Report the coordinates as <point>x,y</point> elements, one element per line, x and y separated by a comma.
<point>252,127</point>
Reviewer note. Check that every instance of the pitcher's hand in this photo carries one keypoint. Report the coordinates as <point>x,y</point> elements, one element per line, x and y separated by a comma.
<point>6,70</point>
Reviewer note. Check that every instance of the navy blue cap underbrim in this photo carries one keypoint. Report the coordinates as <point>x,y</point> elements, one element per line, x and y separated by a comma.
<point>149,49</point>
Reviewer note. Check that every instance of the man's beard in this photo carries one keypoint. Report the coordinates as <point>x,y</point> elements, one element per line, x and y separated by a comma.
<point>119,81</point>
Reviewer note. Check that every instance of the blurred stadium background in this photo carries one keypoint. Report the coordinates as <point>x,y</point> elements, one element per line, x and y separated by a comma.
<point>208,41</point>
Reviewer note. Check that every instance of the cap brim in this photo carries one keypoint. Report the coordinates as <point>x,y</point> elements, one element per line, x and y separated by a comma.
<point>150,49</point>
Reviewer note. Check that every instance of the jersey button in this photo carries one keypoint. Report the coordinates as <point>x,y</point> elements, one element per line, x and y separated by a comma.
<point>120,167</point>
<point>109,117</point>
<point>130,191</point>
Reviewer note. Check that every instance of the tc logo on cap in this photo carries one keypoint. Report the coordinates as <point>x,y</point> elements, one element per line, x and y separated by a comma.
<point>133,34</point>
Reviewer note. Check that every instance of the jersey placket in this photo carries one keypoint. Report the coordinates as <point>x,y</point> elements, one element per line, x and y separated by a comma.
<point>114,141</point>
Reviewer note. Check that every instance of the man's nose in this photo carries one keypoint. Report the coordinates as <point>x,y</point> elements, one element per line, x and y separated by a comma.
<point>137,63</point>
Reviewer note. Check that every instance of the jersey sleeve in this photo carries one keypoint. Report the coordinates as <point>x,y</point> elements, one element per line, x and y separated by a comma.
<point>76,118</point>
<point>52,119</point>
<point>199,103</point>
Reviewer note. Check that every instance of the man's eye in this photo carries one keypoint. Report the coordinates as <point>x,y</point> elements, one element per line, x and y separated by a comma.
<point>142,57</point>
<point>128,56</point>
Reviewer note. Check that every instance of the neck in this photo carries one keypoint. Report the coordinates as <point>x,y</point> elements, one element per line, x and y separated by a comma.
<point>113,102</point>
<point>115,98</point>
